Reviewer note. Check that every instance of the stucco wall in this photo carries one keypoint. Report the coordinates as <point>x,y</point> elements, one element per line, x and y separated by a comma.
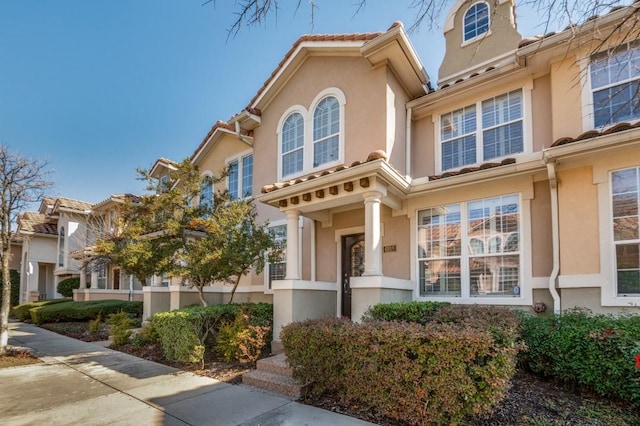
<point>567,98</point>
<point>541,244</point>
<point>541,113</point>
<point>422,147</point>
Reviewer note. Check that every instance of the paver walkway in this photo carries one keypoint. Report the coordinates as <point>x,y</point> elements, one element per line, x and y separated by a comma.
<point>80,383</point>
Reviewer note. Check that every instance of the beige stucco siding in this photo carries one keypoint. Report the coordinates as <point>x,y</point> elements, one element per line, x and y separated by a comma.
<point>396,263</point>
<point>541,247</point>
<point>541,113</point>
<point>578,220</point>
<point>396,123</point>
<point>422,148</point>
<point>566,103</point>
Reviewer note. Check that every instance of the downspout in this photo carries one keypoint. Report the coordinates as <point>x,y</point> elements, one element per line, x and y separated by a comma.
<point>313,249</point>
<point>555,235</point>
<point>408,144</point>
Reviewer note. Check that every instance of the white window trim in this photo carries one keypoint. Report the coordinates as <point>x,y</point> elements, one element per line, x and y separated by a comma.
<point>203,176</point>
<point>307,115</point>
<point>272,224</point>
<point>527,282</point>
<point>479,36</point>
<point>527,127</point>
<point>239,157</point>
<point>607,278</point>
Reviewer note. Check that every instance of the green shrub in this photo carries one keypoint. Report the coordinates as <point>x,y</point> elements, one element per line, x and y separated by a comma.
<point>95,325</point>
<point>413,373</point>
<point>14,279</point>
<point>21,312</point>
<point>418,312</point>
<point>185,334</point>
<point>82,311</point>
<point>594,351</point>
<point>66,286</point>
<point>120,325</point>
<point>241,341</point>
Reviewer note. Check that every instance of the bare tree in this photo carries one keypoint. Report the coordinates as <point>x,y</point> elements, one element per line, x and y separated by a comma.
<point>23,180</point>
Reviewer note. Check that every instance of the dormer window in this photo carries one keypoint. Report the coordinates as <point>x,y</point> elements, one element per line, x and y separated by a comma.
<point>476,21</point>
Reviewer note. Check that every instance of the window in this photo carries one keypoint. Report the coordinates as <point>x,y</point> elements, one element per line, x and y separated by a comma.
<point>312,139</point>
<point>206,193</point>
<point>625,193</point>
<point>489,129</point>
<point>102,277</point>
<point>163,183</point>
<point>278,270</point>
<point>240,178</point>
<point>112,222</point>
<point>292,144</point>
<point>61,247</point>
<point>326,131</point>
<point>476,21</point>
<point>470,249</point>
<point>615,82</point>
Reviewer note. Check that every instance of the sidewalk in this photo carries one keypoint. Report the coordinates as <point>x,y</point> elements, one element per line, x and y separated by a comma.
<point>84,383</point>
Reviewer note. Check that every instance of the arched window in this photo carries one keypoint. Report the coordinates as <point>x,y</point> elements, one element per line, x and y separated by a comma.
<point>292,144</point>
<point>326,131</point>
<point>206,193</point>
<point>61,247</point>
<point>476,21</point>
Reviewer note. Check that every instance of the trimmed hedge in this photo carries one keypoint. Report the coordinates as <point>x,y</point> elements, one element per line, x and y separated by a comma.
<point>419,374</point>
<point>14,278</point>
<point>66,286</point>
<point>186,333</point>
<point>82,311</point>
<point>418,312</point>
<point>600,352</point>
<point>21,312</point>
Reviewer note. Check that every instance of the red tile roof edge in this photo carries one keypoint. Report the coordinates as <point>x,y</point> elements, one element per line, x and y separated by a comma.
<point>590,134</point>
<point>466,170</point>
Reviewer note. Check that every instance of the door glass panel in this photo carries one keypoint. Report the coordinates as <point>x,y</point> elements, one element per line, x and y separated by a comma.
<point>357,259</point>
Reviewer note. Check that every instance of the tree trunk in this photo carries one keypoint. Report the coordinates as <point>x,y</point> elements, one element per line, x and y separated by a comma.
<point>201,294</point>
<point>6,301</point>
<point>235,286</point>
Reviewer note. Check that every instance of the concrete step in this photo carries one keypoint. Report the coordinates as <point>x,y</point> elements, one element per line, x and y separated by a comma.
<point>275,364</point>
<point>273,382</point>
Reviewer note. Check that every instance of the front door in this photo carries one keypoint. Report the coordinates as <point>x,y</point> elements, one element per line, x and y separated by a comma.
<point>352,266</point>
<point>116,279</point>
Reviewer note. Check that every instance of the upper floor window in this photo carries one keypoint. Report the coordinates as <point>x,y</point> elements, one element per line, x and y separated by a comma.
<point>112,222</point>
<point>163,183</point>
<point>61,247</point>
<point>240,178</point>
<point>206,193</point>
<point>488,129</point>
<point>476,21</point>
<point>615,83</point>
<point>292,144</point>
<point>625,193</point>
<point>312,139</point>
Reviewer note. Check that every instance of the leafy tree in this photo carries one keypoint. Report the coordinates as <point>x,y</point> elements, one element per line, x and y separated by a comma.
<point>23,180</point>
<point>171,233</point>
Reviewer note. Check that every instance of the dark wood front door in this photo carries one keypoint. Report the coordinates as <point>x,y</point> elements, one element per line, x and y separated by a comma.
<point>352,266</point>
<point>116,279</point>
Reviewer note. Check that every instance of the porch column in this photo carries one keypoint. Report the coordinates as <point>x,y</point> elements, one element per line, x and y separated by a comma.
<point>83,278</point>
<point>372,240</point>
<point>293,266</point>
<point>94,279</point>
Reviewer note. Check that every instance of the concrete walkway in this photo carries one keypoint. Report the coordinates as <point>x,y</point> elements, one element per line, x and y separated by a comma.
<point>81,383</point>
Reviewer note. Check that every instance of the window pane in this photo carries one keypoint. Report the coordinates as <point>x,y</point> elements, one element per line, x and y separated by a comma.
<point>439,232</point>
<point>440,278</point>
<point>625,181</point>
<point>292,133</point>
<point>495,276</point>
<point>502,109</point>
<point>628,268</point>
<point>247,176</point>
<point>292,162</point>
<point>459,152</point>
<point>504,140</point>
<point>616,104</point>
<point>625,228</point>
<point>458,123</point>
<point>326,151</point>
<point>476,21</point>
<point>278,270</point>
<point>233,179</point>
<point>326,118</point>
<point>206,195</point>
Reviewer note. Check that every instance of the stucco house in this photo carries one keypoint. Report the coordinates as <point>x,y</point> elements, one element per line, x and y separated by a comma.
<point>516,182</point>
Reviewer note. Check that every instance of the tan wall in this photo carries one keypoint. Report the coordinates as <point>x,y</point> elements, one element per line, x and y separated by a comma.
<point>326,267</point>
<point>503,38</point>
<point>398,124</point>
<point>397,230</point>
<point>590,298</point>
<point>566,103</point>
<point>252,297</point>
<point>298,305</point>
<point>364,298</point>
<point>215,160</point>
<point>423,161</point>
<point>541,113</point>
<point>15,259</point>
<point>578,222</point>
<point>541,244</point>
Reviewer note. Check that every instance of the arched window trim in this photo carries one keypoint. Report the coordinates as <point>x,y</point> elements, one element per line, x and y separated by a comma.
<point>477,35</point>
<point>308,115</point>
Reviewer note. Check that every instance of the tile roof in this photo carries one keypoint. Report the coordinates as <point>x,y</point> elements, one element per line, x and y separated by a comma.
<point>376,155</point>
<point>37,223</point>
<point>466,170</point>
<point>620,127</point>
<point>72,204</point>
<point>311,38</point>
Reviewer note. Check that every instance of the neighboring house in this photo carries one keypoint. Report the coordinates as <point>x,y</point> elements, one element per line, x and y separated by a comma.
<point>49,236</point>
<point>516,182</point>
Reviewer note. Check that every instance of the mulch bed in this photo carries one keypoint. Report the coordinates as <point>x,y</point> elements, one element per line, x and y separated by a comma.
<point>17,358</point>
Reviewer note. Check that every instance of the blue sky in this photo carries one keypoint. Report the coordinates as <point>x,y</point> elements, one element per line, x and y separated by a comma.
<point>101,87</point>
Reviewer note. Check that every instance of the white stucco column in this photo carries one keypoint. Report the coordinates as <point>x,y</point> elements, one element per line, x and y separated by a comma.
<point>94,279</point>
<point>293,266</point>
<point>83,279</point>
<point>372,238</point>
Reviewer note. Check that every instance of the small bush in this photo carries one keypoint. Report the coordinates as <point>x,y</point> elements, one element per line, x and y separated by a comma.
<point>21,312</point>
<point>66,286</point>
<point>413,373</point>
<point>14,279</point>
<point>82,311</point>
<point>594,351</point>
<point>241,341</point>
<point>120,328</point>
<point>95,325</point>
<point>185,334</point>
<point>418,312</point>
